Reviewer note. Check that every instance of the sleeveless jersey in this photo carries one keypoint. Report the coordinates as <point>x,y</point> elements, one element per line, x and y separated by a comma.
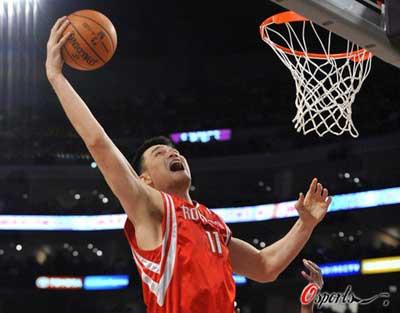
<point>190,272</point>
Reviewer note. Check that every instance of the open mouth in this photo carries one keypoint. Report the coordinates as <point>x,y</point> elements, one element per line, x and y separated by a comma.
<point>176,166</point>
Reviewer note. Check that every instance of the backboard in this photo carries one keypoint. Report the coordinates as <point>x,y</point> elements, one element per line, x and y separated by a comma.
<point>364,22</point>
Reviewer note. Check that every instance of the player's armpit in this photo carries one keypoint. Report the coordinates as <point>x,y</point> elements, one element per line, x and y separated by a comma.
<point>139,201</point>
<point>246,260</point>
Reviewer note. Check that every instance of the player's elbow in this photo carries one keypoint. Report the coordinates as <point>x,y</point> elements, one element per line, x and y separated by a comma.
<point>269,269</point>
<point>96,140</point>
<point>273,277</point>
<point>268,277</point>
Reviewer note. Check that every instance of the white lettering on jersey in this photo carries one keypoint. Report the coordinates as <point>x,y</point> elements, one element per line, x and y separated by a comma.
<point>194,214</point>
<point>186,212</point>
<point>215,243</point>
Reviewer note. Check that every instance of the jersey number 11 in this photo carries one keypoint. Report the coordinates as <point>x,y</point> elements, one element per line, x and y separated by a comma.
<point>215,243</point>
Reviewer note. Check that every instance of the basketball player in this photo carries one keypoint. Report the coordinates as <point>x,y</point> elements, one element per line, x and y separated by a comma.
<point>185,253</point>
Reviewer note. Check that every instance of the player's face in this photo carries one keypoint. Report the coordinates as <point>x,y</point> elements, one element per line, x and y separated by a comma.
<point>166,168</point>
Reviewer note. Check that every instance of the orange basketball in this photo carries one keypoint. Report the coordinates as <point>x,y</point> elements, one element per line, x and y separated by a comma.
<point>93,40</point>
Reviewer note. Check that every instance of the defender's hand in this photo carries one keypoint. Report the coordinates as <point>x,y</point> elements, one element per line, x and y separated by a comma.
<point>315,275</point>
<point>54,61</point>
<point>313,207</point>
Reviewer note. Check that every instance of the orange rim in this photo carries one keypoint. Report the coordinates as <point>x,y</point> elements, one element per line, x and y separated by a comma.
<point>292,17</point>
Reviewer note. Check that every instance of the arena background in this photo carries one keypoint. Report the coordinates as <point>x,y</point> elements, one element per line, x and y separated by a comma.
<point>185,66</point>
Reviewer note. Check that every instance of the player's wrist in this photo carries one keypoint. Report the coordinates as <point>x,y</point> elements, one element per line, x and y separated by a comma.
<point>305,225</point>
<point>309,308</point>
<point>309,305</point>
<point>53,76</point>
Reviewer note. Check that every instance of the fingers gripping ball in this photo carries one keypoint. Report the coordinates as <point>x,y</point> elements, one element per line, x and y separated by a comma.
<point>92,42</point>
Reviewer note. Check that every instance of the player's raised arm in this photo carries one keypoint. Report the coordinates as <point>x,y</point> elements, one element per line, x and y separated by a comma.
<point>265,265</point>
<point>135,196</point>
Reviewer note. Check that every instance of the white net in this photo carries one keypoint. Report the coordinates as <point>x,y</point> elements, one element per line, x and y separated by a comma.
<point>327,82</point>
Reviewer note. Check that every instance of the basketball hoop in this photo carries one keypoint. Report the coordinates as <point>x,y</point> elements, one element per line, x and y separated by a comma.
<point>326,82</point>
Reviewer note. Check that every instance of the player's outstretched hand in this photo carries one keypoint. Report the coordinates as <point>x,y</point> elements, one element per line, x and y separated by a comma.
<point>54,61</point>
<point>313,207</point>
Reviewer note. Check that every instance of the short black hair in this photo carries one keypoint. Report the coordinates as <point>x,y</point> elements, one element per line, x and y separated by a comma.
<point>137,161</point>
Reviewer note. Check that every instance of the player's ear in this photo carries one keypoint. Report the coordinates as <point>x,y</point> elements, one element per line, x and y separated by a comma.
<point>145,177</point>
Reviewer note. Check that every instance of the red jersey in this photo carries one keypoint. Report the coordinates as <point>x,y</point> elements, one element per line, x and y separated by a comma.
<point>190,272</point>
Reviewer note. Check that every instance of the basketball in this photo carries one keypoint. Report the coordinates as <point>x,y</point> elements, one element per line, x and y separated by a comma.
<point>92,42</point>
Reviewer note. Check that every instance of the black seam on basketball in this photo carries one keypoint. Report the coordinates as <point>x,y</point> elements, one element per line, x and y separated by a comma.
<point>94,51</point>
<point>73,60</point>
<point>94,21</point>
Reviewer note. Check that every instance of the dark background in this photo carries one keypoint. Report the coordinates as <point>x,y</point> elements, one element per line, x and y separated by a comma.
<point>184,66</point>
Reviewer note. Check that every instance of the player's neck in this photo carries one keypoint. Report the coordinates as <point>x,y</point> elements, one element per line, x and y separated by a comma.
<point>183,194</point>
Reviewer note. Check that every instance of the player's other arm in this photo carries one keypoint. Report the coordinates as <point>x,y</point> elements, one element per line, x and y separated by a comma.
<point>267,264</point>
<point>315,277</point>
<point>135,197</point>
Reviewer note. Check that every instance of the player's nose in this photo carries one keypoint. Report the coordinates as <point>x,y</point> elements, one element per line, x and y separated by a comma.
<point>173,154</point>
